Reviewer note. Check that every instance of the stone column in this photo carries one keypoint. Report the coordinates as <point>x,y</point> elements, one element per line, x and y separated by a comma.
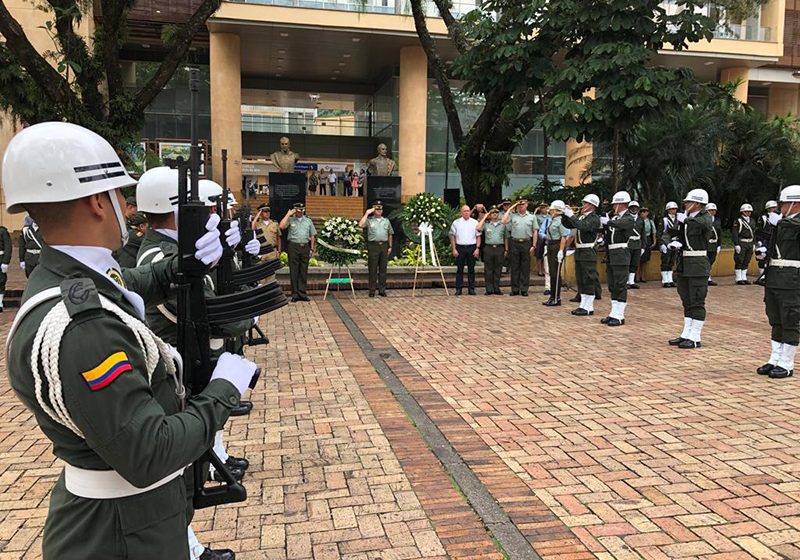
<point>579,157</point>
<point>740,74</point>
<point>226,106</point>
<point>413,119</point>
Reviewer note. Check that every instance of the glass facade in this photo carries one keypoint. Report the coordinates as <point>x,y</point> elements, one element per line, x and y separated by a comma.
<point>402,7</point>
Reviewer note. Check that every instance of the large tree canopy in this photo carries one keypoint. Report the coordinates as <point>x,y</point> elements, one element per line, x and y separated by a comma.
<point>81,80</point>
<point>534,62</point>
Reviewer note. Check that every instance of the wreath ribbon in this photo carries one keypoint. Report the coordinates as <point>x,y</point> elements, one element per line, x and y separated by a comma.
<point>338,249</point>
<point>426,234</point>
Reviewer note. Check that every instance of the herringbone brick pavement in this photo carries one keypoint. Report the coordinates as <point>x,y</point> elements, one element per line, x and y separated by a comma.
<point>643,450</point>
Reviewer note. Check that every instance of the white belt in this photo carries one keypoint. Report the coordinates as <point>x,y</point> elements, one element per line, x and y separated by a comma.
<point>784,263</point>
<point>618,246</point>
<point>33,251</point>
<point>106,485</point>
<point>584,245</point>
<point>695,254</point>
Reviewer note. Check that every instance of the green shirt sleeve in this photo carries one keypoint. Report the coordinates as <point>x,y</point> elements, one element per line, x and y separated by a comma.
<point>123,422</point>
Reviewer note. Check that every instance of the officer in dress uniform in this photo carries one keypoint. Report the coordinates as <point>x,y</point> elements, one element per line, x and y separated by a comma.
<point>302,237</point>
<point>30,246</point>
<point>714,240</point>
<point>621,228</point>
<point>137,226</point>
<point>268,228</point>
<point>5,260</point>
<point>669,233</point>
<point>587,228</point>
<point>495,245</point>
<point>763,235</point>
<point>556,245</point>
<point>635,245</point>
<point>782,290</point>
<point>112,409</point>
<point>380,235</point>
<point>743,232</point>
<point>523,236</point>
<point>693,266</point>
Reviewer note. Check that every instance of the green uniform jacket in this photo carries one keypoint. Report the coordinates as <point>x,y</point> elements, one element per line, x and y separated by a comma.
<point>764,230</point>
<point>130,426</point>
<point>743,230</point>
<point>635,240</point>
<point>126,257</point>
<point>785,245</point>
<point>587,228</point>
<point>30,240</point>
<point>671,229</point>
<point>160,316</point>
<point>620,230</point>
<point>5,246</point>
<point>694,236</point>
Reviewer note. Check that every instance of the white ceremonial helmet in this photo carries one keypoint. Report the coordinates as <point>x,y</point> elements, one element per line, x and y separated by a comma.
<point>770,204</point>
<point>672,205</point>
<point>557,205</point>
<point>58,162</point>
<point>209,192</point>
<point>745,208</point>
<point>592,199</point>
<point>231,200</point>
<point>697,195</point>
<point>621,197</point>
<point>157,191</point>
<point>711,206</point>
<point>634,203</point>
<point>790,194</point>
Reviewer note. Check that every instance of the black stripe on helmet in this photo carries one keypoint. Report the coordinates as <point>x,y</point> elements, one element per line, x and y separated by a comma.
<point>96,166</point>
<point>106,175</point>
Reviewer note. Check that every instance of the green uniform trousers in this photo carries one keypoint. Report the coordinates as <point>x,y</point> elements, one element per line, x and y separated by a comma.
<point>493,256</point>
<point>618,282</point>
<point>299,256</point>
<point>742,260</point>
<point>668,260</point>
<point>636,258</point>
<point>712,256</point>
<point>587,278</point>
<point>693,291</point>
<point>3,280</point>
<point>377,261</point>
<point>520,265</point>
<point>554,267</point>
<point>783,313</point>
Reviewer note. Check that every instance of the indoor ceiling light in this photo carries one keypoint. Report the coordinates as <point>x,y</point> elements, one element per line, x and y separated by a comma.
<point>356,39</point>
<point>284,34</point>
<point>709,63</point>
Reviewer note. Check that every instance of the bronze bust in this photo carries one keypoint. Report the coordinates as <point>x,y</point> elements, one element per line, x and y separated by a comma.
<point>381,165</point>
<point>285,159</point>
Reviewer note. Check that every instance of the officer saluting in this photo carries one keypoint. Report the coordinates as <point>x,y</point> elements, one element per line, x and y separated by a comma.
<point>495,249</point>
<point>380,234</point>
<point>301,237</point>
<point>621,228</point>
<point>111,409</point>
<point>782,290</point>
<point>714,240</point>
<point>588,229</point>
<point>523,233</point>
<point>693,266</point>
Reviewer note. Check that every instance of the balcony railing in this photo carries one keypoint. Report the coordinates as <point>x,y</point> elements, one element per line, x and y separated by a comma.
<point>328,126</point>
<point>748,30</point>
<point>401,7</point>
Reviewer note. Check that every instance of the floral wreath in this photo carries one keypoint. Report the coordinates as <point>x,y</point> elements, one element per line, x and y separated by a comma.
<point>339,241</point>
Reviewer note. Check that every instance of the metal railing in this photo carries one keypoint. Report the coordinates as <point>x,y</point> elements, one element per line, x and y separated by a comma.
<point>328,126</point>
<point>401,7</point>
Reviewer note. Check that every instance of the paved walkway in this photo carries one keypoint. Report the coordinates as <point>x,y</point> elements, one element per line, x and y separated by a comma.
<point>470,427</point>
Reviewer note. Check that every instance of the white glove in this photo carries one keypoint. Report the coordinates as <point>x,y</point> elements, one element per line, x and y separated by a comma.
<point>774,218</point>
<point>761,253</point>
<point>560,256</point>
<point>568,212</point>
<point>4,268</point>
<point>641,252</point>
<point>601,242</point>
<point>719,248</point>
<point>253,246</point>
<point>738,249</point>
<point>234,235</point>
<point>234,369</point>
<point>664,249</point>
<point>604,220</point>
<point>676,244</point>
<point>22,265</point>
<point>209,248</point>
<point>681,217</point>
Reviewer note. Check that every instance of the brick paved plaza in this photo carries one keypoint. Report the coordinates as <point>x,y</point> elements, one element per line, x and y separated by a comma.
<point>588,441</point>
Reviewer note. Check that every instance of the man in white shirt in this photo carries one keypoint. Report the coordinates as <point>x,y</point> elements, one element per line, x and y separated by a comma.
<point>466,243</point>
<point>332,178</point>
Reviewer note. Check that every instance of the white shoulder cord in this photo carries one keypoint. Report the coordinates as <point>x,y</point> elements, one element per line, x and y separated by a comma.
<point>47,344</point>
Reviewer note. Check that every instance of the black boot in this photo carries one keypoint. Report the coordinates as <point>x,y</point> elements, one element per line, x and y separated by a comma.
<point>215,475</point>
<point>765,369</point>
<point>242,409</point>
<point>676,341</point>
<point>237,463</point>
<point>220,554</point>
<point>552,303</point>
<point>614,322</point>
<point>779,372</point>
<point>576,299</point>
<point>689,344</point>
<point>581,312</point>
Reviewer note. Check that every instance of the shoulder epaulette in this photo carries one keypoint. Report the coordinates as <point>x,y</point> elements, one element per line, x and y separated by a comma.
<point>79,295</point>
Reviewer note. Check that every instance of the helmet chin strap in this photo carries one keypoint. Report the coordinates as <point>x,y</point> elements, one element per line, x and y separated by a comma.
<point>123,229</point>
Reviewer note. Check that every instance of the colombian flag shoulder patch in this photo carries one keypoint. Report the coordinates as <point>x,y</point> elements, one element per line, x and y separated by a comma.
<point>111,368</point>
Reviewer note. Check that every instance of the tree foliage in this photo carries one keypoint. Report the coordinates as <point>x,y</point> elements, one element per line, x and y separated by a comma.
<point>80,80</point>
